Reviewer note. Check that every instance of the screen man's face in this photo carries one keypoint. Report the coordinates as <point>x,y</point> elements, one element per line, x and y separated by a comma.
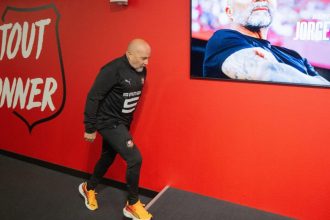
<point>253,14</point>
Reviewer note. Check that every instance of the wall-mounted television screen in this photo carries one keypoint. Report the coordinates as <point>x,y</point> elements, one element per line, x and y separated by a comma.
<point>283,41</point>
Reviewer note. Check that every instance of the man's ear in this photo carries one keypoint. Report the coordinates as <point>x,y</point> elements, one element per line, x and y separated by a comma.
<point>229,12</point>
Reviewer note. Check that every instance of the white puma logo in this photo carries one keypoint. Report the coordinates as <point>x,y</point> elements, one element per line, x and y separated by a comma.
<point>128,81</point>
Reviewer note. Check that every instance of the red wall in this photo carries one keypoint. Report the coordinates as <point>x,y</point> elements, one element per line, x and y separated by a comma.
<point>264,146</point>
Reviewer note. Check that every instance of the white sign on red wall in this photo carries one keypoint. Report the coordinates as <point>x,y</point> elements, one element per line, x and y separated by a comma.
<point>32,79</point>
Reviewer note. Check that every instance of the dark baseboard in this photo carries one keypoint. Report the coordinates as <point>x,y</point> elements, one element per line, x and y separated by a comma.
<point>73,172</point>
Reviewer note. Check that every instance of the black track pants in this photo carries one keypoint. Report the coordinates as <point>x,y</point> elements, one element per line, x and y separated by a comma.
<point>118,140</point>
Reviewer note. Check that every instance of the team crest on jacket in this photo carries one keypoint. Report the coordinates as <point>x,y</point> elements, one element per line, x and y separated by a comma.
<point>32,79</point>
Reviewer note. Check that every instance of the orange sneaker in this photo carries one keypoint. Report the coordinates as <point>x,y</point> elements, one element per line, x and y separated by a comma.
<point>136,211</point>
<point>89,196</point>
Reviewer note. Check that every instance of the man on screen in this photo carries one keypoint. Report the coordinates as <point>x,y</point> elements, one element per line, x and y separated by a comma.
<point>243,52</point>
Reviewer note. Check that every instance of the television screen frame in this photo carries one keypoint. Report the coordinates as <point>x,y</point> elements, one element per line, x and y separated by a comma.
<point>202,29</point>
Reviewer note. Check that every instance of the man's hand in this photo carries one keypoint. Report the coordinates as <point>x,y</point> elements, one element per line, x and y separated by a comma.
<point>259,64</point>
<point>90,137</point>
